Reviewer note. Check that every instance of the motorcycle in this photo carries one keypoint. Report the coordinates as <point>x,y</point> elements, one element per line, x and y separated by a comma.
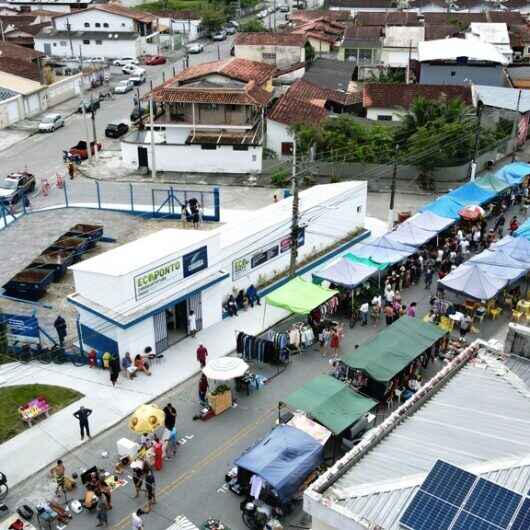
<point>256,517</point>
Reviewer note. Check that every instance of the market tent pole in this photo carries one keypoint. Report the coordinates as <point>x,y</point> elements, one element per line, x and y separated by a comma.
<point>264,313</point>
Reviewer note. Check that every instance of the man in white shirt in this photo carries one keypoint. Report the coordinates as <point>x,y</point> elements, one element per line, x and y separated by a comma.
<point>192,324</point>
<point>389,296</point>
<point>137,523</point>
<point>364,309</point>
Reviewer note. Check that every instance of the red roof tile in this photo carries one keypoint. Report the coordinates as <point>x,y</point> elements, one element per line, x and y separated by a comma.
<point>442,31</point>
<point>19,68</point>
<point>383,95</point>
<point>386,18</point>
<point>117,9</point>
<point>291,111</point>
<point>19,53</point>
<point>177,15</point>
<point>305,16</point>
<point>269,39</point>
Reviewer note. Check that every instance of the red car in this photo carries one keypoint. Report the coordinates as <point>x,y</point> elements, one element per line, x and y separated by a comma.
<point>155,59</point>
<point>81,149</point>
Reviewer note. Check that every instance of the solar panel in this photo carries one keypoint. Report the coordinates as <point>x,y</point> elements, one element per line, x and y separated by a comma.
<point>522,521</point>
<point>448,482</point>
<point>466,521</point>
<point>426,512</point>
<point>492,503</point>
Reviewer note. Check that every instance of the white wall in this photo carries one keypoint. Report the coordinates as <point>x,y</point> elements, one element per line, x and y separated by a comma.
<point>373,112</point>
<point>110,49</point>
<point>277,133</point>
<point>396,57</point>
<point>212,302</point>
<point>63,90</point>
<point>108,291</point>
<point>136,338</point>
<point>35,103</point>
<point>50,7</point>
<point>190,28</point>
<point>285,55</point>
<point>96,323</point>
<point>188,158</point>
<point>11,111</point>
<point>93,17</point>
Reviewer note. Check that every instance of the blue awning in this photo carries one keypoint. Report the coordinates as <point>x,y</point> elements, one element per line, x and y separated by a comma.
<point>524,230</point>
<point>470,280</point>
<point>470,193</point>
<point>444,207</point>
<point>513,173</point>
<point>383,250</point>
<point>517,248</point>
<point>499,263</point>
<point>345,272</point>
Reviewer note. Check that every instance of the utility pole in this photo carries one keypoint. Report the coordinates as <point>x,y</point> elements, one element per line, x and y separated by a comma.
<point>2,30</point>
<point>407,75</point>
<point>516,126</point>
<point>295,219</point>
<point>393,190</point>
<point>152,137</point>
<point>83,109</point>
<point>69,31</point>
<point>473,164</point>
<point>93,116</point>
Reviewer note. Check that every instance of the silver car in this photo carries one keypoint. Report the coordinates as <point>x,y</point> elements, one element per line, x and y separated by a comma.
<point>51,122</point>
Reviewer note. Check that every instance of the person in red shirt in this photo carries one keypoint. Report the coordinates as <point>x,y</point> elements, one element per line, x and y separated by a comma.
<point>202,353</point>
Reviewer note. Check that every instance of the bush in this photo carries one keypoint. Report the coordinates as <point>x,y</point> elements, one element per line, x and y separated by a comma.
<point>281,177</point>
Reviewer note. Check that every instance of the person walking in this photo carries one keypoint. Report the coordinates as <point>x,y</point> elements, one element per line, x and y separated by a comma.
<point>203,388</point>
<point>171,445</point>
<point>137,522</point>
<point>465,325</point>
<point>429,273</point>
<point>138,479</point>
<point>82,415</point>
<point>170,418</point>
<point>150,489</point>
<point>114,368</point>
<point>411,311</point>
<point>202,354</point>
<point>389,314</point>
<point>60,328</point>
<point>192,324</point>
<point>102,509</point>
<point>57,473</point>
<point>365,311</point>
<point>158,448</point>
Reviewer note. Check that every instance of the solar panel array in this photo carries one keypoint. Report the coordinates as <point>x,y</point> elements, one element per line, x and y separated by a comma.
<point>451,498</point>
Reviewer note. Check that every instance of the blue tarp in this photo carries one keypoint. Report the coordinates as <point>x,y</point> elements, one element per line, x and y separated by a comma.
<point>444,207</point>
<point>470,193</point>
<point>516,247</point>
<point>472,281</point>
<point>513,173</point>
<point>410,234</point>
<point>383,250</point>
<point>524,230</point>
<point>499,263</point>
<point>430,221</point>
<point>284,459</point>
<point>345,272</point>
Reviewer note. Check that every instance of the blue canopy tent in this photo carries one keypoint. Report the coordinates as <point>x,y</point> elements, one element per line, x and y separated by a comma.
<point>524,230</point>
<point>499,263</point>
<point>444,207</point>
<point>472,281</point>
<point>470,193</point>
<point>513,173</point>
<point>346,273</point>
<point>428,220</point>
<point>284,459</point>
<point>517,248</point>
<point>410,234</point>
<point>383,250</point>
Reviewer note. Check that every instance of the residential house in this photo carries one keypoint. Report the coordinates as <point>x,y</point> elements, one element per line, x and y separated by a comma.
<point>387,18</point>
<point>460,61</point>
<point>520,40</point>
<point>212,120</point>
<point>388,103</point>
<point>105,30</point>
<point>301,16</point>
<point>495,33</point>
<point>57,6</point>
<point>475,415</point>
<point>21,29</point>
<point>353,7</point>
<point>333,75</point>
<point>21,61</point>
<point>362,45</point>
<point>186,23</point>
<point>519,76</point>
<point>323,34</point>
<point>400,45</point>
<point>283,50</point>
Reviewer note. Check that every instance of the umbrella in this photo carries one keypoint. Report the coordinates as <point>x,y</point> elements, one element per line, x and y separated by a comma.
<point>146,419</point>
<point>225,368</point>
<point>473,212</point>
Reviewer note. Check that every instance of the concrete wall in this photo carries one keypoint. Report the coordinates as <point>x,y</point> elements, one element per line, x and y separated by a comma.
<point>137,337</point>
<point>35,103</point>
<point>11,111</point>
<point>397,57</point>
<point>110,49</point>
<point>374,112</point>
<point>320,46</point>
<point>454,74</point>
<point>190,28</point>
<point>285,55</point>
<point>186,158</point>
<point>93,18</point>
<point>63,90</point>
<point>212,303</point>
<point>518,340</point>
<point>277,133</point>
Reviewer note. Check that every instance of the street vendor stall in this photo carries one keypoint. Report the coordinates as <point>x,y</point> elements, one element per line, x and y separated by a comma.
<point>492,183</point>
<point>499,263</point>
<point>444,206</point>
<point>516,247</point>
<point>428,220</point>
<point>410,234</point>
<point>345,273</point>
<point>384,250</point>
<point>513,173</point>
<point>378,364</point>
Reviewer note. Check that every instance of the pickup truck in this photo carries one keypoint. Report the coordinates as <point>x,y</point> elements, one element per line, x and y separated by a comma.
<point>81,149</point>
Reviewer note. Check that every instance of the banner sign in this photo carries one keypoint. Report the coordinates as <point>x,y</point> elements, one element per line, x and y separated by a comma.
<point>244,265</point>
<point>168,274</point>
<point>21,329</point>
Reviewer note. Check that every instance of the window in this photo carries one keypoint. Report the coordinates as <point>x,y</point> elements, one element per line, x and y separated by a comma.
<point>123,24</point>
<point>212,106</point>
<point>287,148</point>
<point>63,43</point>
<point>240,147</point>
<point>209,147</point>
<point>384,117</point>
<point>359,209</point>
<point>98,25</point>
<point>269,57</point>
<point>99,42</point>
<point>55,44</point>
<point>87,24</point>
<point>86,42</point>
<point>453,73</point>
<point>105,24</point>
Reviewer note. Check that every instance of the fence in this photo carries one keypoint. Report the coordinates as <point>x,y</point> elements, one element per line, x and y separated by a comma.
<point>144,200</point>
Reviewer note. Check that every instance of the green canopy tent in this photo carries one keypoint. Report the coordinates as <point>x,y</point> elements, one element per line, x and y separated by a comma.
<point>491,183</point>
<point>330,402</point>
<point>391,351</point>
<point>366,261</point>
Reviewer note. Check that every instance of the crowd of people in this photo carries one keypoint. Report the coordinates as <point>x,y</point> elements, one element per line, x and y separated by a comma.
<point>241,301</point>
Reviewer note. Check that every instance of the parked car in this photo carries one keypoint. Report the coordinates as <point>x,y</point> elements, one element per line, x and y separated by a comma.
<point>262,14</point>
<point>284,8</point>
<point>124,86</point>
<point>197,47</point>
<point>97,60</point>
<point>132,70</point>
<point>137,79</point>
<point>137,113</point>
<point>50,122</point>
<point>233,23</point>
<point>116,129</point>
<point>229,30</point>
<point>220,35</point>
<point>15,186</point>
<point>81,150</point>
<point>125,60</point>
<point>155,59</point>
<point>89,104</point>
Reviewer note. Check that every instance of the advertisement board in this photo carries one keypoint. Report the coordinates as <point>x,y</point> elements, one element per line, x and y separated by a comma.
<point>21,329</point>
<point>253,260</point>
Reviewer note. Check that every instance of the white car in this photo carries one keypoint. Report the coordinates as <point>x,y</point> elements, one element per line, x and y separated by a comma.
<point>97,60</point>
<point>50,122</point>
<point>262,14</point>
<point>131,69</point>
<point>123,87</point>
<point>125,60</point>
<point>197,47</point>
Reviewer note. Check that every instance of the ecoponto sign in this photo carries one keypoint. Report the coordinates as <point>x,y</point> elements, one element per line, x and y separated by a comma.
<point>168,274</point>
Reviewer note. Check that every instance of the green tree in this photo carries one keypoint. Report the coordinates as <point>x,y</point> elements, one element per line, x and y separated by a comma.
<point>252,26</point>
<point>390,76</point>
<point>213,17</point>
<point>309,53</point>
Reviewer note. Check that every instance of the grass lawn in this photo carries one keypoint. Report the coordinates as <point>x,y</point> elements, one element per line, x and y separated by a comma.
<point>11,397</point>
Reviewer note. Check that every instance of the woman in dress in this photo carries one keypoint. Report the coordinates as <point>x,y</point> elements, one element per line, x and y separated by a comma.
<point>158,448</point>
<point>335,342</point>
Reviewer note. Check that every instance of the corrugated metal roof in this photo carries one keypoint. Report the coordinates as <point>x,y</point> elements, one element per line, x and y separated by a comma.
<point>503,97</point>
<point>480,417</point>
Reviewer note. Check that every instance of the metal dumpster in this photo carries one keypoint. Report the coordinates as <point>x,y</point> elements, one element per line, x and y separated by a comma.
<point>91,233</point>
<point>78,245</point>
<point>30,284</point>
<point>55,260</point>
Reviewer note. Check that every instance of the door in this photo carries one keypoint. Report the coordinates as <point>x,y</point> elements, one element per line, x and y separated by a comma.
<point>195,305</point>
<point>48,49</point>
<point>160,332</point>
<point>143,161</point>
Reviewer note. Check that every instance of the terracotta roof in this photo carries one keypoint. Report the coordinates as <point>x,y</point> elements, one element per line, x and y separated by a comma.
<point>381,4</point>
<point>383,95</point>
<point>291,111</point>
<point>305,16</point>
<point>454,19</point>
<point>363,33</point>
<point>269,39</point>
<point>288,69</point>
<point>224,137</point>
<point>117,9</point>
<point>30,29</point>
<point>519,35</point>
<point>20,68</point>
<point>16,19</point>
<point>386,18</point>
<point>435,32</point>
<point>509,17</point>
<point>19,53</point>
<point>177,15</point>
<point>234,68</point>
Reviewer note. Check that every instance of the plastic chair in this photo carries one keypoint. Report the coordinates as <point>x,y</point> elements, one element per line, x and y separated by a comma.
<point>446,324</point>
<point>495,312</point>
<point>516,315</point>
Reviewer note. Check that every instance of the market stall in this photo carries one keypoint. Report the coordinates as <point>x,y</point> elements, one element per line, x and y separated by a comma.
<point>492,183</point>
<point>384,250</point>
<point>366,261</point>
<point>444,206</point>
<point>517,248</point>
<point>411,234</point>
<point>514,173</point>
<point>499,263</point>
<point>345,273</point>
<point>377,365</point>
<point>471,193</point>
<point>429,220</point>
